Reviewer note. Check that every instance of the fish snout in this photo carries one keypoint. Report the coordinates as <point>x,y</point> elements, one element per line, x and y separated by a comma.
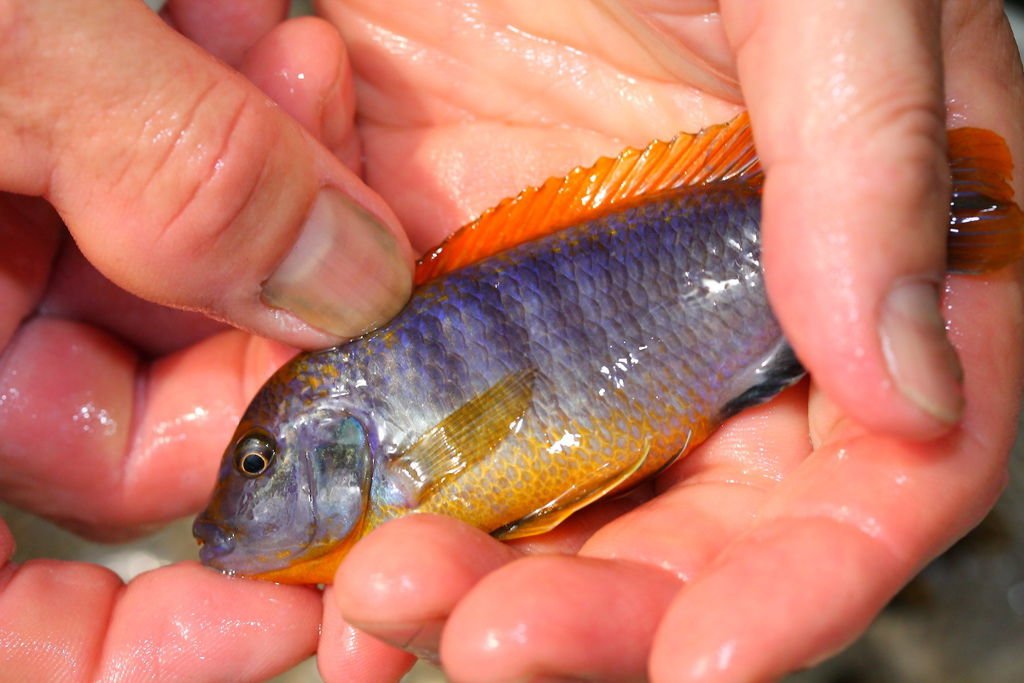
<point>215,541</point>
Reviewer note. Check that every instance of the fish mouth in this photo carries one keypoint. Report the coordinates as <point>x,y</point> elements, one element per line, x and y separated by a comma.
<point>215,542</point>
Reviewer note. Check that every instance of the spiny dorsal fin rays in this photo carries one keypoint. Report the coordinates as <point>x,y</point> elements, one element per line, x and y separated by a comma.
<point>465,437</point>
<point>717,153</point>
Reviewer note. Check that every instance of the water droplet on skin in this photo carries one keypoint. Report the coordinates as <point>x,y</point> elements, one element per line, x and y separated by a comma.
<point>498,638</point>
<point>719,660</point>
<point>197,414</point>
<point>9,394</point>
<point>91,418</point>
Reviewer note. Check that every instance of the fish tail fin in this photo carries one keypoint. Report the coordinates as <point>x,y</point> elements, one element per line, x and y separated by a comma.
<point>986,226</point>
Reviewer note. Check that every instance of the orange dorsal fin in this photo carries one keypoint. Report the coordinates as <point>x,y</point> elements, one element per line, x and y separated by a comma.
<point>716,153</point>
<point>986,226</point>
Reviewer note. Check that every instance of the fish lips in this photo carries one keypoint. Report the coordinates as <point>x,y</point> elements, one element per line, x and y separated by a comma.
<point>231,550</point>
<point>219,549</point>
<point>215,542</point>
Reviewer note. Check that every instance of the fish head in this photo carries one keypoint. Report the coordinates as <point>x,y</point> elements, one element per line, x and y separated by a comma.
<point>293,482</point>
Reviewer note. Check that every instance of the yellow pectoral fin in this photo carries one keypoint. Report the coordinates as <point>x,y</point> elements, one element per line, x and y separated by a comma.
<point>465,437</point>
<point>554,512</point>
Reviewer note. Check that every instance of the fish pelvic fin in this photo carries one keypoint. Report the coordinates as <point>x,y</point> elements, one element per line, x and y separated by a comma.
<point>720,152</point>
<point>463,438</point>
<point>553,513</point>
<point>986,226</point>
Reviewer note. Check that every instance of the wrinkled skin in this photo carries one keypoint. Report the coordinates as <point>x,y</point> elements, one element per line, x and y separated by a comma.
<point>790,507</point>
<point>799,519</point>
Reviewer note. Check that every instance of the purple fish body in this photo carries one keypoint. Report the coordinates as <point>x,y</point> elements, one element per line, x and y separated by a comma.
<point>639,331</point>
<point>513,390</point>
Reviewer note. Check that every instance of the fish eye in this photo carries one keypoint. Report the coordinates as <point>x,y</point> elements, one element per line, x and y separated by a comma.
<point>253,453</point>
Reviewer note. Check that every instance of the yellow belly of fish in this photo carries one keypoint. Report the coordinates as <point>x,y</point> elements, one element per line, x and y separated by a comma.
<point>553,474</point>
<point>549,474</point>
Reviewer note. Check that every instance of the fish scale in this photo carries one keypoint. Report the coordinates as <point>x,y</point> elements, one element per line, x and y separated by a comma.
<point>567,305</point>
<point>575,338</point>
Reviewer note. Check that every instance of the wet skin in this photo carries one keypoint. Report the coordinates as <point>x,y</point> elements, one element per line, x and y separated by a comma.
<point>835,504</point>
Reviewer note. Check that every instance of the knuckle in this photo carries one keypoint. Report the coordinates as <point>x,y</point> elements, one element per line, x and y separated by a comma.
<point>187,151</point>
<point>897,137</point>
<point>209,176</point>
<point>915,165</point>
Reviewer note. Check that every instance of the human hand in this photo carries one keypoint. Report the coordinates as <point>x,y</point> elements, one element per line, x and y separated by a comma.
<point>179,182</point>
<point>776,542</point>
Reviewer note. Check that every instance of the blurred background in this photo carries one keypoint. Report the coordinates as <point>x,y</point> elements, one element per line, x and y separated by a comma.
<point>961,619</point>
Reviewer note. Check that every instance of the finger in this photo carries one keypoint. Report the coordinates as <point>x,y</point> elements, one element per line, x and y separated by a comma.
<point>425,147</point>
<point>225,28</point>
<point>771,566</point>
<point>182,186</point>
<point>713,495</point>
<point>303,66</point>
<point>561,616</point>
<point>855,522</point>
<point>704,502</point>
<point>62,620</point>
<point>402,581</point>
<point>855,199</point>
<point>984,83</point>
<point>77,291</point>
<point>350,655</point>
<point>104,444</point>
<point>31,234</point>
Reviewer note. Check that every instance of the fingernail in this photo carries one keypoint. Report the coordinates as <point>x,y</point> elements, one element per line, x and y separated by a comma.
<point>921,360</point>
<point>346,274</point>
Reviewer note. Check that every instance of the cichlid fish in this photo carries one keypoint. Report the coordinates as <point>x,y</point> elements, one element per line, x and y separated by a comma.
<point>570,342</point>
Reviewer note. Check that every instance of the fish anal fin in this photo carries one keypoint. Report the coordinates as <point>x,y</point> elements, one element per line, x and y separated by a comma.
<point>986,226</point>
<point>465,437</point>
<point>718,152</point>
<point>554,512</point>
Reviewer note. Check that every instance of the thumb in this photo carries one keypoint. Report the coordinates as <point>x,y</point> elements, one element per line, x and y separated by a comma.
<point>856,200</point>
<point>183,184</point>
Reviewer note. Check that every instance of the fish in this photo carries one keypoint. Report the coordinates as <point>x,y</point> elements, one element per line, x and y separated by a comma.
<point>569,343</point>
